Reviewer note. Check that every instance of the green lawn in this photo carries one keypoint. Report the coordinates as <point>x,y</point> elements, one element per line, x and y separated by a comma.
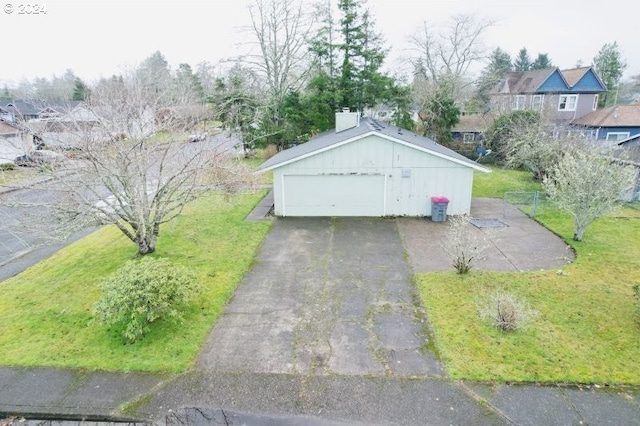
<point>586,332</point>
<point>17,175</point>
<point>46,310</point>
<point>500,180</point>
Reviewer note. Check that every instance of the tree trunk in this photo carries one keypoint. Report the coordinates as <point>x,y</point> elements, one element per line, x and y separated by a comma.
<point>144,247</point>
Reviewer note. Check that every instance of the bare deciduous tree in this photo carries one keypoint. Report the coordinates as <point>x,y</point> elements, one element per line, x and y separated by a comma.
<point>125,176</point>
<point>446,56</point>
<point>588,182</point>
<point>281,29</point>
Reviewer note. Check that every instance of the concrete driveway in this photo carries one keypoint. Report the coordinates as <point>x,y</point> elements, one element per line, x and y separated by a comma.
<point>326,296</point>
<point>335,296</point>
<point>516,242</point>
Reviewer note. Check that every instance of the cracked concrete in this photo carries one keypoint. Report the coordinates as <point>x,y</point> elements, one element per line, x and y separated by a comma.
<point>326,296</point>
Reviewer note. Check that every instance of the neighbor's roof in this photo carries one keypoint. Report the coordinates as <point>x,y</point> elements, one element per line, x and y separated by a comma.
<point>473,123</point>
<point>330,139</point>
<point>529,81</point>
<point>613,116</point>
<point>574,75</point>
<point>21,107</point>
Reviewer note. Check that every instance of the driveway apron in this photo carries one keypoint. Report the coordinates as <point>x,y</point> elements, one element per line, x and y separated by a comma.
<point>325,296</point>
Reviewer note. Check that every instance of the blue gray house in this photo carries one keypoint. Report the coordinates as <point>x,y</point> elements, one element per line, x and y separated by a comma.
<point>615,123</point>
<point>562,95</point>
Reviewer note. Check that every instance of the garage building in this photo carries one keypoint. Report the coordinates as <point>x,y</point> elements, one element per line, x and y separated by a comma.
<point>369,168</point>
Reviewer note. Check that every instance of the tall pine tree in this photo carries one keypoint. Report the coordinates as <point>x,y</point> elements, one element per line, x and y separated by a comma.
<point>499,64</point>
<point>542,61</point>
<point>523,61</point>
<point>349,54</point>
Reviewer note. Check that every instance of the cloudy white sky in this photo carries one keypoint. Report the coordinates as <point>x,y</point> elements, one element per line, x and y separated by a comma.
<point>101,37</point>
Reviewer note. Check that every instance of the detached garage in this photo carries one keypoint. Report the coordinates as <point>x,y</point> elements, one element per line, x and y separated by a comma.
<point>368,168</point>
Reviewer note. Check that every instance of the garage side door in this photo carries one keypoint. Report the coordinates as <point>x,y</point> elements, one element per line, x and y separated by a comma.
<point>333,195</point>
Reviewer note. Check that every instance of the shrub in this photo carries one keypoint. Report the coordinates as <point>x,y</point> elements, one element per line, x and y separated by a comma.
<point>464,246</point>
<point>141,292</point>
<point>506,312</point>
<point>269,151</point>
<point>5,167</point>
<point>506,127</point>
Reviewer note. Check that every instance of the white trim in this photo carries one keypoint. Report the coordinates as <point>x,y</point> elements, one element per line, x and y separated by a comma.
<point>567,102</point>
<point>538,106</point>
<point>282,192</point>
<point>383,136</point>
<point>625,135</point>
<point>384,196</point>
<point>517,105</point>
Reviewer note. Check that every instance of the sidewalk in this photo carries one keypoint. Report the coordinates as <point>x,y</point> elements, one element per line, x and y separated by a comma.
<point>207,398</point>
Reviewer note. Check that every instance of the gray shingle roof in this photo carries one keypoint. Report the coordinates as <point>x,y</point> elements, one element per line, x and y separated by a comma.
<point>367,126</point>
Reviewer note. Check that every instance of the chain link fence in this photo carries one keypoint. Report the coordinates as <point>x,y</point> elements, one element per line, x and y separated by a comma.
<point>530,203</point>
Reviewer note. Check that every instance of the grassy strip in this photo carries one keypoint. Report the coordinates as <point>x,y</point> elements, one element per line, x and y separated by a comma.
<point>500,180</point>
<point>586,333</point>
<point>46,310</point>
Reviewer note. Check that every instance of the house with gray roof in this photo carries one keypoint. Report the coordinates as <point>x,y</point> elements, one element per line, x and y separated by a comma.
<point>615,123</point>
<point>365,167</point>
<point>561,95</point>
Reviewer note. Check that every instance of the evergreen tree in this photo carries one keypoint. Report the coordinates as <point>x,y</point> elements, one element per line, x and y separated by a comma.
<point>187,85</point>
<point>6,94</point>
<point>522,61</point>
<point>439,117</point>
<point>493,73</point>
<point>610,66</point>
<point>154,73</point>
<point>80,90</point>
<point>542,61</point>
<point>362,56</point>
<point>348,54</point>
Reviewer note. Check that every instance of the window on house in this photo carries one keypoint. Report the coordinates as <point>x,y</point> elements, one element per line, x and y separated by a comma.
<point>595,102</point>
<point>536,103</point>
<point>617,136</point>
<point>519,101</point>
<point>468,138</point>
<point>568,102</point>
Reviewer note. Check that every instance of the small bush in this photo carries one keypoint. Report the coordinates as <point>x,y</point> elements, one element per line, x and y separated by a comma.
<point>464,247</point>
<point>5,167</point>
<point>506,312</point>
<point>141,292</point>
<point>270,151</point>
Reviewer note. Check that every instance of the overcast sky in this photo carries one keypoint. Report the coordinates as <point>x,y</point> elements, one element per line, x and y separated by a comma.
<point>99,37</point>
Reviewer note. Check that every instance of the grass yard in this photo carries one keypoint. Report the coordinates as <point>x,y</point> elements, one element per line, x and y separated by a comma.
<point>17,175</point>
<point>586,332</point>
<point>46,310</point>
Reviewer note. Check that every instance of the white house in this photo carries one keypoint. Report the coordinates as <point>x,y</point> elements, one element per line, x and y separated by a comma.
<point>369,168</point>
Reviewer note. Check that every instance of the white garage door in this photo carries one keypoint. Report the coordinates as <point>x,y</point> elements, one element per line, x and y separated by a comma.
<point>333,195</point>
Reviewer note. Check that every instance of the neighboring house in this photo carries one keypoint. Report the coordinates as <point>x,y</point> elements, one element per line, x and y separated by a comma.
<point>368,168</point>
<point>26,110</point>
<point>562,96</point>
<point>615,123</point>
<point>21,110</point>
<point>15,140</point>
<point>471,127</point>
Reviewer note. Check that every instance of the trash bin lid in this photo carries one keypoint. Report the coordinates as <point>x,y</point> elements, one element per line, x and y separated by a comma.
<point>439,199</point>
